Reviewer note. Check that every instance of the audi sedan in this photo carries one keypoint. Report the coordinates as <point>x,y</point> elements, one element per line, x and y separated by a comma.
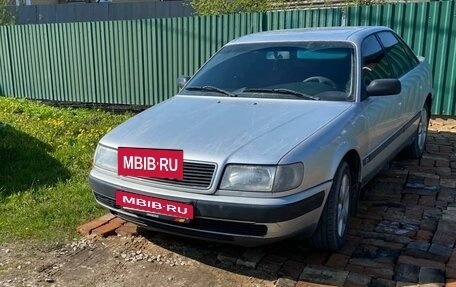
<point>272,138</point>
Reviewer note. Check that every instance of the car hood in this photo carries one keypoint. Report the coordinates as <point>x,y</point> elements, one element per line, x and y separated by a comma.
<point>221,130</point>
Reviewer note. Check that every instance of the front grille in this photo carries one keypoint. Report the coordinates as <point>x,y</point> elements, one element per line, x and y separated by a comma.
<point>196,175</point>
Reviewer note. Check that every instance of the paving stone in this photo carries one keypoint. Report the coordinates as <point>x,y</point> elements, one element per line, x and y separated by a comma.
<point>357,279</point>
<point>432,213</point>
<point>374,242</point>
<point>414,212</point>
<point>453,257</point>
<point>431,181</point>
<point>396,228</point>
<point>446,196</point>
<point>445,234</point>
<point>365,262</point>
<point>406,273</point>
<point>324,275</point>
<point>285,282</point>
<point>271,263</point>
<point>387,255</point>
<point>354,268</point>
<point>424,235</point>
<point>365,251</point>
<point>441,204</point>
<point>450,272</point>
<point>109,228</point>
<point>291,269</point>
<point>417,249</point>
<point>382,243</point>
<point>85,229</point>
<point>230,255</point>
<point>428,189</point>
<point>410,199</point>
<point>442,171</point>
<point>309,284</point>
<point>296,251</point>
<point>441,252</point>
<point>406,284</point>
<point>127,229</point>
<point>441,237</point>
<point>427,200</point>
<point>449,216</point>
<point>337,260</point>
<point>431,275</point>
<point>431,285</point>
<point>428,224</point>
<point>385,273</point>
<point>447,182</point>
<point>386,237</point>
<point>380,282</point>
<point>316,258</point>
<point>423,175</point>
<point>404,259</point>
<point>350,245</point>
<point>251,257</point>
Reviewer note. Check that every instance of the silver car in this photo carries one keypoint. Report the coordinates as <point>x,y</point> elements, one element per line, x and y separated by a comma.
<point>273,137</point>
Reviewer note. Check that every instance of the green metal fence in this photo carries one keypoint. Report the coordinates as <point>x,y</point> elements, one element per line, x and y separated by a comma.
<point>138,62</point>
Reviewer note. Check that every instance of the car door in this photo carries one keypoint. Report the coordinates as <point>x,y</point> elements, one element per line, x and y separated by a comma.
<point>381,114</point>
<point>403,62</point>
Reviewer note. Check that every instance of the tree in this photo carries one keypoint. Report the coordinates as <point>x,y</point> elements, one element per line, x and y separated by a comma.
<point>211,7</point>
<point>5,16</point>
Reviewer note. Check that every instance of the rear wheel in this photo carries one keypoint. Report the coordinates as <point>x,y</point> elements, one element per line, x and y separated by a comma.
<point>418,146</point>
<point>332,227</point>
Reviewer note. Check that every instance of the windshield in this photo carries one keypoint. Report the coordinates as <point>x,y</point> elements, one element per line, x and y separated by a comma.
<point>295,70</point>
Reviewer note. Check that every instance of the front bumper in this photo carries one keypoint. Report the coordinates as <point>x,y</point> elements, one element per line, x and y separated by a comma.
<point>239,220</point>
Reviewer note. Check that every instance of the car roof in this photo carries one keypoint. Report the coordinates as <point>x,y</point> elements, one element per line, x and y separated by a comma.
<point>349,34</point>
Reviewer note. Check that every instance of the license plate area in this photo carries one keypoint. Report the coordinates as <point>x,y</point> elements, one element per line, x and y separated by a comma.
<point>151,163</point>
<point>155,207</point>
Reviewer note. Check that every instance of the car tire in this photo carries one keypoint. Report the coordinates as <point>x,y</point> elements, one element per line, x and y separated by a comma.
<point>418,146</point>
<point>332,227</point>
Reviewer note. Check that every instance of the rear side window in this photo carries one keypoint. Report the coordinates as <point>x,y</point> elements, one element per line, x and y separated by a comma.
<point>401,61</point>
<point>375,62</point>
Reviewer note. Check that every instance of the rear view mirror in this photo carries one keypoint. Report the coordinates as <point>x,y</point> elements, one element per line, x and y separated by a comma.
<point>182,80</point>
<point>384,87</point>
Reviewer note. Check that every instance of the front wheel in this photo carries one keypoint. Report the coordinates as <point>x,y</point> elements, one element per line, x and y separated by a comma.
<point>418,146</point>
<point>332,227</point>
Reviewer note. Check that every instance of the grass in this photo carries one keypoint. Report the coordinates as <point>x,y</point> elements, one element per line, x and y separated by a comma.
<point>45,158</point>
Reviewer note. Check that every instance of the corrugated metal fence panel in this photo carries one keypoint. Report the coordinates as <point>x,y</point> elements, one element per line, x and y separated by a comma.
<point>6,82</point>
<point>430,29</point>
<point>302,18</point>
<point>138,62</point>
<point>179,46</point>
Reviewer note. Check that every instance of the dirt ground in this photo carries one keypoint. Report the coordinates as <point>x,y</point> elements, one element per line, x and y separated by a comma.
<point>404,232</point>
<point>124,261</point>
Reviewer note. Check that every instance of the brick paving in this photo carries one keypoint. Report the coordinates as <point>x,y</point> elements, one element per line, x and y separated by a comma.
<point>403,234</point>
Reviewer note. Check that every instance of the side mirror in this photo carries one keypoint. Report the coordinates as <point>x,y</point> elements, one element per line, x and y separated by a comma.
<point>182,80</point>
<point>384,87</point>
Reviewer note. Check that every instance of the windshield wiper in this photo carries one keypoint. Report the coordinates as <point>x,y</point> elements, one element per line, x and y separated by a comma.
<point>211,89</point>
<point>283,91</point>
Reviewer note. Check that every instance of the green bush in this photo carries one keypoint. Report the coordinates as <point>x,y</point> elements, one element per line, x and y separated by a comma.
<point>212,7</point>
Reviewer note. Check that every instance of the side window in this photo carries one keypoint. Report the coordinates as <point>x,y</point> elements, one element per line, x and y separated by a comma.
<point>400,61</point>
<point>411,55</point>
<point>375,63</point>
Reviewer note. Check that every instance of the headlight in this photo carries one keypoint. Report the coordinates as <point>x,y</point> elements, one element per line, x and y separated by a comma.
<point>105,158</point>
<point>262,178</point>
<point>248,178</point>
